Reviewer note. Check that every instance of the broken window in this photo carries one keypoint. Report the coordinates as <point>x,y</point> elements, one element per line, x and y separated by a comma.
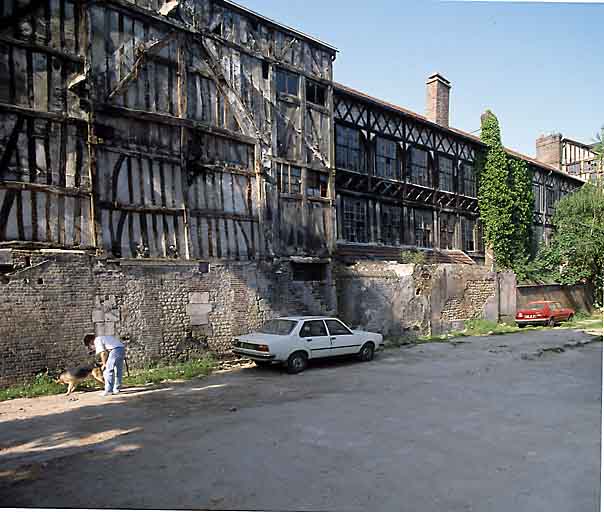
<point>316,184</point>
<point>390,226</point>
<point>290,179</point>
<point>423,227</point>
<point>308,271</point>
<point>287,83</point>
<point>316,93</point>
<point>386,162</point>
<point>354,219</point>
<point>468,180</point>
<point>467,234</point>
<point>349,154</point>
<point>417,168</point>
<point>447,231</point>
<point>445,173</point>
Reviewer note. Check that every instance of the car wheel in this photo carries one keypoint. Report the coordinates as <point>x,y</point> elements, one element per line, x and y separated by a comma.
<point>367,351</point>
<point>522,326</point>
<point>570,318</point>
<point>263,364</point>
<point>297,362</point>
<point>551,322</point>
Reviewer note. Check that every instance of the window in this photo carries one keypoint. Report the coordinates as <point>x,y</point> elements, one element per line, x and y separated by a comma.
<point>349,154</point>
<point>290,179</point>
<point>468,182</point>
<point>445,173</point>
<point>551,197</point>
<point>574,168</point>
<point>308,271</point>
<point>316,93</point>
<point>418,171</point>
<point>390,227</point>
<point>287,83</point>
<point>386,163</point>
<point>265,70</point>
<point>423,228</point>
<point>447,231</point>
<point>282,327</point>
<point>337,328</point>
<point>467,234</point>
<point>354,221</point>
<point>313,328</point>
<point>537,196</point>
<point>316,184</point>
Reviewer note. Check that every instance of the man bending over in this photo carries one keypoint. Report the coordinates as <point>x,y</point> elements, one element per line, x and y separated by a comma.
<point>112,352</point>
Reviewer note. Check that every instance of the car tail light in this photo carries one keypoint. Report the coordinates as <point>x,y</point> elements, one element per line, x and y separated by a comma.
<point>520,315</point>
<point>262,348</point>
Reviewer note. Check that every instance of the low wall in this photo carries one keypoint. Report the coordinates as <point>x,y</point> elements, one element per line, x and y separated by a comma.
<point>397,299</point>
<point>580,297</point>
<point>163,310</point>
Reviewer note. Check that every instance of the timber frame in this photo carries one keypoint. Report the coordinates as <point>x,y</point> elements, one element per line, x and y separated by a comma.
<point>198,129</point>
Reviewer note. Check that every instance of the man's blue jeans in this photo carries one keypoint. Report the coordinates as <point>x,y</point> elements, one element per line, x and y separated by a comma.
<point>114,370</point>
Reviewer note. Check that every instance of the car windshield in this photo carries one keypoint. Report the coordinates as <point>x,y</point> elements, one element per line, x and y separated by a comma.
<point>535,307</point>
<point>282,327</point>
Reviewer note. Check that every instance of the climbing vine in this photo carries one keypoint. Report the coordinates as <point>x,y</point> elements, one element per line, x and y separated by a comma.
<point>505,199</point>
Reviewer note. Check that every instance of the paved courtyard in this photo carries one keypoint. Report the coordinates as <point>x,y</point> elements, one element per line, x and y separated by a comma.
<point>493,424</point>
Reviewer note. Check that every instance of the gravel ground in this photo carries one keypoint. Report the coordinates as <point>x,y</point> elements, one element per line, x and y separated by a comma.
<point>494,423</point>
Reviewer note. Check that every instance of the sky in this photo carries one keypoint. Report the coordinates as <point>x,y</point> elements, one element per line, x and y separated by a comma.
<point>538,66</point>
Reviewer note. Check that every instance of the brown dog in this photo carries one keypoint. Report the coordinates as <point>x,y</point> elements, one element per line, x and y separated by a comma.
<point>73,376</point>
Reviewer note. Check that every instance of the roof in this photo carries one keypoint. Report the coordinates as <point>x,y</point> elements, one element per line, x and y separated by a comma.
<point>461,133</point>
<point>274,23</point>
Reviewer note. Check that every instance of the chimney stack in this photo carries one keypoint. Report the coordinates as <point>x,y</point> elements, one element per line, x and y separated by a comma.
<point>549,149</point>
<point>437,99</point>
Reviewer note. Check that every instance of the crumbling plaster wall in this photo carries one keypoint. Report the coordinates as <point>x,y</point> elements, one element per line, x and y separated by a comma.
<point>397,299</point>
<point>162,310</point>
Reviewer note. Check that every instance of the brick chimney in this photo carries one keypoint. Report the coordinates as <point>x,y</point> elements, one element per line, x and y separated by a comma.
<point>549,149</point>
<point>437,99</point>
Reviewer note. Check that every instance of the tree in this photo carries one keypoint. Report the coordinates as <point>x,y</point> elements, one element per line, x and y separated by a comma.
<point>576,251</point>
<point>598,147</point>
<point>505,199</point>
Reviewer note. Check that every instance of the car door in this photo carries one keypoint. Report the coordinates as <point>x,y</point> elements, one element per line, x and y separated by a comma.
<point>343,340</point>
<point>315,338</point>
<point>557,311</point>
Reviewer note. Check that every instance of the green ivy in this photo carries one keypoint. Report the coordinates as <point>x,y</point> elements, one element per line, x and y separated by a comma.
<point>505,199</point>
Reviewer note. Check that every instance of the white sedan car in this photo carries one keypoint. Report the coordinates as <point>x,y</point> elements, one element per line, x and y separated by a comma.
<point>294,340</point>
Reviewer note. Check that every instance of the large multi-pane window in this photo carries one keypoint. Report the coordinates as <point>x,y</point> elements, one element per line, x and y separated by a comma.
<point>468,180</point>
<point>390,224</point>
<point>447,231</point>
<point>417,167</point>
<point>354,219</point>
<point>349,153</point>
<point>290,179</point>
<point>468,227</point>
<point>386,162</point>
<point>316,184</point>
<point>423,228</point>
<point>445,173</point>
<point>287,82</point>
<point>551,197</point>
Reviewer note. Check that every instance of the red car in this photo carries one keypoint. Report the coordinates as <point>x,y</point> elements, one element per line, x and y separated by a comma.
<point>543,312</point>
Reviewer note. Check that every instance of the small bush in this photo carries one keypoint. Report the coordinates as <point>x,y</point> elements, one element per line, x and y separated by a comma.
<point>414,257</point>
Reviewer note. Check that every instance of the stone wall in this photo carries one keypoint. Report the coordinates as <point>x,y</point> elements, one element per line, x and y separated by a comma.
<point>397,299</point>
<point>163,310</point>
<point>580,297</point>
